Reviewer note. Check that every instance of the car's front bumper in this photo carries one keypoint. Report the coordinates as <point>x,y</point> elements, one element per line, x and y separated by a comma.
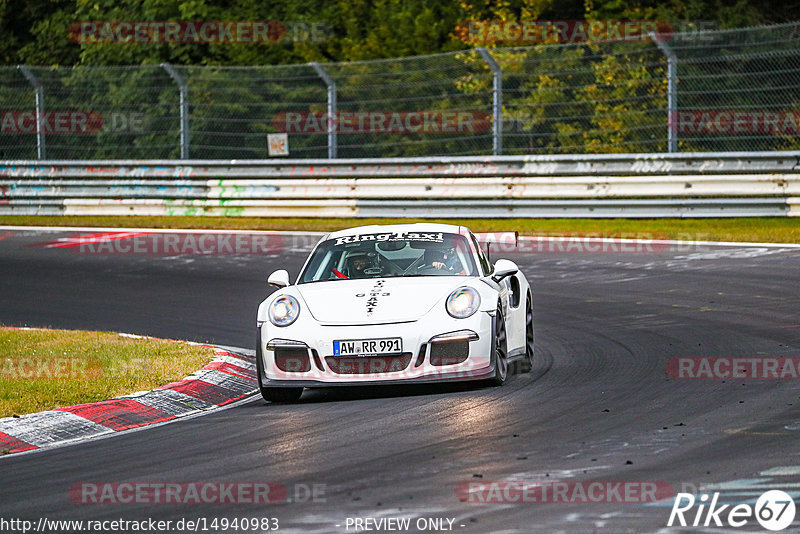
<point>423,347</point>
<point>443,377</point>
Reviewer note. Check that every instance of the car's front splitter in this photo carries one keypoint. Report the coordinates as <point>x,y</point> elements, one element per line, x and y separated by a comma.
<point>456,376</point>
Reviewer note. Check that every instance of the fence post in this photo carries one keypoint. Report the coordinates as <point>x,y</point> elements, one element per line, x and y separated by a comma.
<point>497,101</point>
<point>672,92</point>
<point>184,104</point>
<point>37,86</point>
<point>332,122</point>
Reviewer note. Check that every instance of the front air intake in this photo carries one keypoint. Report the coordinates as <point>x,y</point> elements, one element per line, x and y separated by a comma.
<point>292,360</point>
<point>449,353</point>
<point>368,365</point>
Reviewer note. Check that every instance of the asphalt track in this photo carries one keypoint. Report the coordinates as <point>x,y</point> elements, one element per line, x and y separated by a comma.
<point>597,406</point>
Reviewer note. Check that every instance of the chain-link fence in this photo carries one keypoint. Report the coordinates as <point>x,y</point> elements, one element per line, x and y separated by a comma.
<point>700,91</point>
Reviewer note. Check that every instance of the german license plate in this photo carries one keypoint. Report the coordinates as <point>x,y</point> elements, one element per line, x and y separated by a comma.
<point>364,347</point>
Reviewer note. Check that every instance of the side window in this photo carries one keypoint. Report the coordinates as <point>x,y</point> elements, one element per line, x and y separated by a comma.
<point>485,265</point>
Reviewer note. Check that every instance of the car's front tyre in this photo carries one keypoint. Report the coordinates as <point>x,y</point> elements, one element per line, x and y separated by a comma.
<point>527,360</point>
<point>281,394</point>
<point>500,348</point>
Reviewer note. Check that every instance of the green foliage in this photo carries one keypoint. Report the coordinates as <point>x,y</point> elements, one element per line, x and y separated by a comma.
<point>36,32</point>
<point>580,97</point>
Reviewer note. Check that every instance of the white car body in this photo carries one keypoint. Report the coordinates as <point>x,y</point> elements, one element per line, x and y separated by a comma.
<point>434,344</point>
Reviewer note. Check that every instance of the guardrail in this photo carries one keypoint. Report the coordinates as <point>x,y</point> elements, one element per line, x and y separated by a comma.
<point>618,185</point>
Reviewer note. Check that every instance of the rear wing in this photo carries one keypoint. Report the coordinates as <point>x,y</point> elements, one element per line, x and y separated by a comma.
<point>498,241</point>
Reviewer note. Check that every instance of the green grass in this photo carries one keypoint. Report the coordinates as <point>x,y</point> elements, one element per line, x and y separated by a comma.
<point>46,369</point>
<point>755,229</point>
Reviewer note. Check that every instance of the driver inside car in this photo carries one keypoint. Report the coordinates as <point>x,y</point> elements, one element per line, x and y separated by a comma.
<point>356,263</point>
<point>439,259</point>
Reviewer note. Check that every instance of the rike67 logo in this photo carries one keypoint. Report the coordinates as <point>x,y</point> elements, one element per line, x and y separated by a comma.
<point>774,510</point>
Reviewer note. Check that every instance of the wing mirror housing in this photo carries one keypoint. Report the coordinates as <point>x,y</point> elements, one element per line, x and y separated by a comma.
<point>504,269</point>
<point>279,279</point>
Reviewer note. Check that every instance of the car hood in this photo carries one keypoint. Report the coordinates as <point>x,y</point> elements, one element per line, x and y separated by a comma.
<point>376,300</point>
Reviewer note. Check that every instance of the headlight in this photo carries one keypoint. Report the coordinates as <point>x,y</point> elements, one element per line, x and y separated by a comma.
<point>463,302</point>
<point>284,310</point>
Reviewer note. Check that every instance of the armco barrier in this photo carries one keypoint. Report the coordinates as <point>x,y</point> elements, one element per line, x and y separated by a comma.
<point>617,185</point>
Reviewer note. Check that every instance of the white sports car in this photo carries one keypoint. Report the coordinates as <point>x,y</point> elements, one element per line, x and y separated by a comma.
<point>393,304</point>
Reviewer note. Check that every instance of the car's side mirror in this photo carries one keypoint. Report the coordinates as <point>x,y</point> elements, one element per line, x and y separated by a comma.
<point>504,269</point>
<point>279,278</point>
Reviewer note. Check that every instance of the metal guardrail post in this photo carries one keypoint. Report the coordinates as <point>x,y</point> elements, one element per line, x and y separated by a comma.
<point>672,92</point>
<point>184,107</point>
<point>39,89</point>
<point>497,100</point>
<point>331,84</point>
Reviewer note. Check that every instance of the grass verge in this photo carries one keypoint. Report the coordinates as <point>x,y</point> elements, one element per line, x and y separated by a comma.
<point>46,369</point>
<point>753,229</point>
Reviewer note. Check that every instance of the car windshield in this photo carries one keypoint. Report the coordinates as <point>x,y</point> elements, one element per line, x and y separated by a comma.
<point>390,254</point>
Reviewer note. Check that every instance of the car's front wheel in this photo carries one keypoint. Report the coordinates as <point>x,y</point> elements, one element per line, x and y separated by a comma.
<point>500,350</point>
